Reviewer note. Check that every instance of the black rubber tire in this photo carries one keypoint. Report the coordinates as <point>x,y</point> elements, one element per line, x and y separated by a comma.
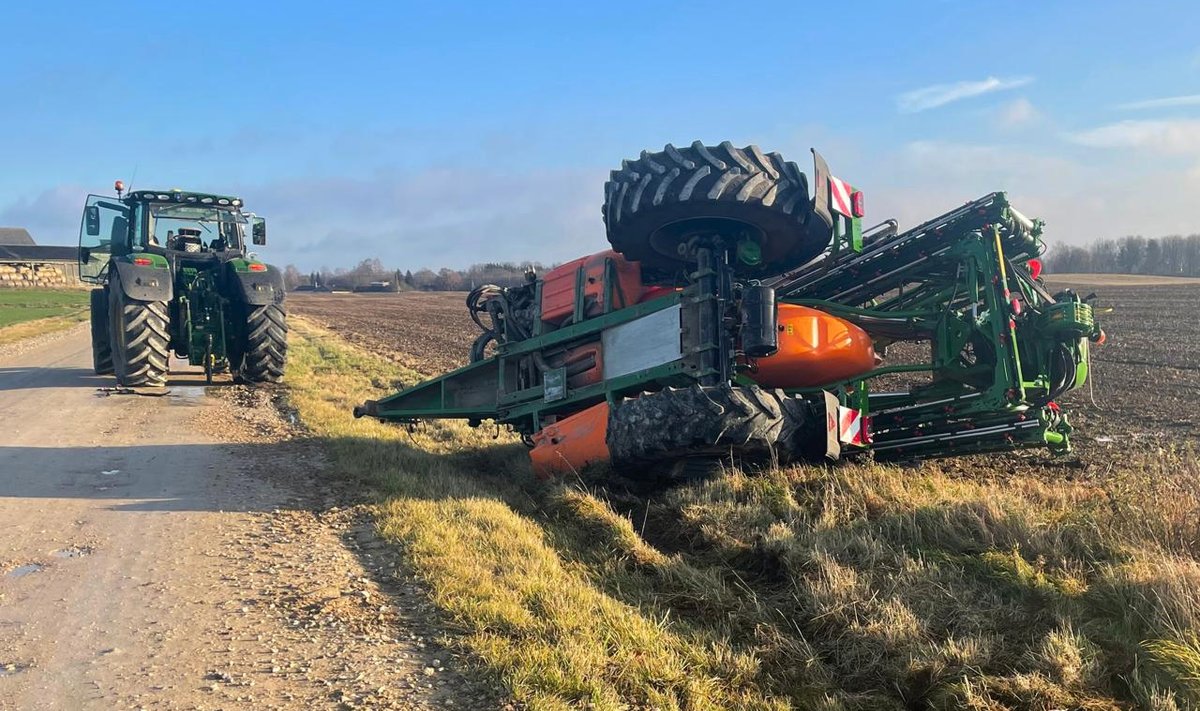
<point>102,360</point>
<point>653,203</point>
<point>263,354</point>
<point>720,422</point>
<point>141,350</point>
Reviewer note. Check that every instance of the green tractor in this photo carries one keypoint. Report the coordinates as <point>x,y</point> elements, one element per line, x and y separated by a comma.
<point>175,275</point>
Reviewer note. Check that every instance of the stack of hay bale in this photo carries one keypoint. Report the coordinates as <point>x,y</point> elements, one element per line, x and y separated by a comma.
<point>27,276</point>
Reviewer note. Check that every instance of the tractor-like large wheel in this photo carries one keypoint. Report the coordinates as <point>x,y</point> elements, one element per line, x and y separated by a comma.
<point>140,340</point>
<point>656,204</point>
<point>263,354</point>
<point>102,360</point>
<point>666,430</point>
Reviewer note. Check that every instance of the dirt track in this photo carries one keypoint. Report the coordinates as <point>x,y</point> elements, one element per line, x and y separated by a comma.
<point>182,551</point>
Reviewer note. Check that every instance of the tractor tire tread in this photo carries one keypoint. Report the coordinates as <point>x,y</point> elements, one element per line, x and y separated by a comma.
<point>699,181</point>
<point>745,423</point>
<point>143,357</point>
<point>266,344</point>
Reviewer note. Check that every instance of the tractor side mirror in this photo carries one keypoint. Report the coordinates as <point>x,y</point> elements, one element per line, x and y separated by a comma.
<point>258,231</point>
<point>92,220</point>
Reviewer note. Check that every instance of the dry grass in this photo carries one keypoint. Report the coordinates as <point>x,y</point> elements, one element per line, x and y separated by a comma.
<point>37,327</point>
<point>853,587</point>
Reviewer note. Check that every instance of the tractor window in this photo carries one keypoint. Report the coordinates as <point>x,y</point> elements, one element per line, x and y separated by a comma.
<point>105,228</point>
<point>194,228</point>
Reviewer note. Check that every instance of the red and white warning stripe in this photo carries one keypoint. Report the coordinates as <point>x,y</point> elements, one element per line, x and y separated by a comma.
<point>839,196</point>
<point>852,426</point>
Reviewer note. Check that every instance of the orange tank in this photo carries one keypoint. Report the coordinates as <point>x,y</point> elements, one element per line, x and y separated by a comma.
<point>814,349</point>
<point>571,443</point>
<point>558,286</point>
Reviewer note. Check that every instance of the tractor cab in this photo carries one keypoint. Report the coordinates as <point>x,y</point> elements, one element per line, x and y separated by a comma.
<point>182,226</point>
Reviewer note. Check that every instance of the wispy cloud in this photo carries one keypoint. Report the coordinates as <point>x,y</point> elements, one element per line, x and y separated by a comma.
<point>931,97</point>
<point>1017,113</point>
<point>436,217</point>
<point>1176,137</point>
<point>51,216</point>
<point>1167,102</point>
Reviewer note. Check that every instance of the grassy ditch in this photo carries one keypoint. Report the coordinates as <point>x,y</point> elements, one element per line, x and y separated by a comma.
<point>852,587</point>
<point>30,312</point>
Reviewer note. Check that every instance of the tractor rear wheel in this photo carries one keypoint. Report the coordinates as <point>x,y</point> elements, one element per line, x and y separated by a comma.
<point>678,428</point>
<point>655,205</point>
<point>140,338</point>
<point>102,360</point>
<point>263,354</point>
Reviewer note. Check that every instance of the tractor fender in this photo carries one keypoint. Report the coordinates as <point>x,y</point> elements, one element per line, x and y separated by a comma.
<point>257,288</point>
<point>144,283</point>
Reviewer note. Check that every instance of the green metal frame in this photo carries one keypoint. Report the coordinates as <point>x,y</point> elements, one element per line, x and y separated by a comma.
<point>952,282</point>
<point>463,393</point>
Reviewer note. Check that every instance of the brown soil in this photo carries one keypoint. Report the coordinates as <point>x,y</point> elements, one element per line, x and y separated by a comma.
<point>429,332</point>
<point>1146,377</point>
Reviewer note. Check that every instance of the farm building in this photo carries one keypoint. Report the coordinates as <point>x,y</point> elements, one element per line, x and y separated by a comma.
<point>25,264</point>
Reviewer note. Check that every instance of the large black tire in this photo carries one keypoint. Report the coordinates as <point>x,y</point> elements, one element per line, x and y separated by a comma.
<point>720,422</point>
<point>102,360</point>
<point>141,349</point>
<point>263,354</point>
<point>655,203</point>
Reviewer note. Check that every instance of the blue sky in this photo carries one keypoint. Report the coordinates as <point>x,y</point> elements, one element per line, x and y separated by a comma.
<point>445,135</point>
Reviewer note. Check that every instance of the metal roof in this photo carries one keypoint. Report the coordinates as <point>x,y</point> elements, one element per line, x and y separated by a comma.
<point>15,235</point>
<point>37,253</point>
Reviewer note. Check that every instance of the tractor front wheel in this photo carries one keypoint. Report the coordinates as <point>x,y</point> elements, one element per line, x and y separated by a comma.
<point>102,359</point>
<point>263,352</point>
<point>139,338</point>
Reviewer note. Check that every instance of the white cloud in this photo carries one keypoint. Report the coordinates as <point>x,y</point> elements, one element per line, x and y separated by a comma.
<point>1167,102</point>
<point>1109,194</point>
<point>981,167</point>
<point>931,97</point>
<point>1175,137</point>
<point>52,216</point>
<point>1017,113</point>
<point>437,217</point>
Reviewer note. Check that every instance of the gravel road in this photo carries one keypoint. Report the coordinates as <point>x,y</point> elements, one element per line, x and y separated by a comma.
<point>184,551</point>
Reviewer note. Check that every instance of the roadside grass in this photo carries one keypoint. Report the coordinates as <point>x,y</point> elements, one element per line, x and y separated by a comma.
<point>18,305</point>
<point>848,587</point>
<point>31,312</point>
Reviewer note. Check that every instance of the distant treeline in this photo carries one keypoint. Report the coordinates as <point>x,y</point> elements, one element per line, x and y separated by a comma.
<point>1165,256</point>
<point>371,274</point>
